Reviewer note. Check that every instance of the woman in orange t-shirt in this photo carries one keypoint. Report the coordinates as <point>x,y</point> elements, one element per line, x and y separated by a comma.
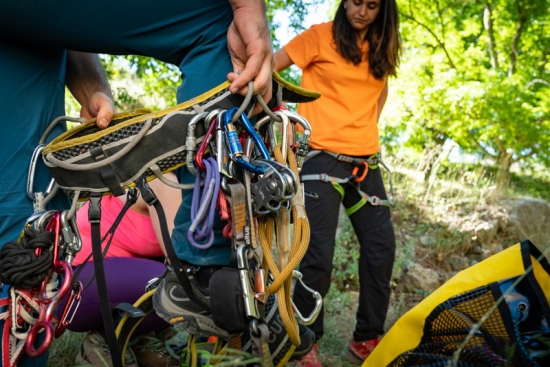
<point>348,60</point>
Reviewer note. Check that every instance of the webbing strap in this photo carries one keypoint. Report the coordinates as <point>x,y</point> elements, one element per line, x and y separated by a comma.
<point>260,347</point>
<point>244,232</point>
<point>149,197</point>
<point>238,213</point>
<point>340,190</point>
<point>372,160</point>
<point>108,174</point>
<point>94,217</point>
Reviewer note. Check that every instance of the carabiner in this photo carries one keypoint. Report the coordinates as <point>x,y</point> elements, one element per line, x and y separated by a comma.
<point>39,199</point>
<point>247,126</point>
<point>271,133</point>
<point>303,144</point>
<point>204,145</point>
<point>75,296</point>
<point>318,302</point>
<point>235,148</point>
<point>71,236</point>
<point>47,311</point>
<point>249,294</point>
<point>221,148</point>
<point>191,141</point>
<point>54,226</point>
<point>361,177</point>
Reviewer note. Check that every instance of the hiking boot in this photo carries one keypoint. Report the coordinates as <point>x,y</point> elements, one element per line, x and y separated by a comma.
<point>357,352</point>
<point>310,359</point>
<point>94,351</point>
<point>151,351</point>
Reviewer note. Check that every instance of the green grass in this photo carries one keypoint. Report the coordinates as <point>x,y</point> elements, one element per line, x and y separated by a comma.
<point>434,207</point>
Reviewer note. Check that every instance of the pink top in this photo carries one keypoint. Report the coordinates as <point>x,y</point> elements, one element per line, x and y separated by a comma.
<point>134,237</point>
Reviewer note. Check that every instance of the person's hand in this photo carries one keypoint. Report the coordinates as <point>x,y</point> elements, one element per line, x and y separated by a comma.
<point>100,106</point>
<point>250,48</point>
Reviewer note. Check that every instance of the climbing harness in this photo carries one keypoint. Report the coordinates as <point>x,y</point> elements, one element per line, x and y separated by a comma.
<point>360,169</point>
<point>254,186</point>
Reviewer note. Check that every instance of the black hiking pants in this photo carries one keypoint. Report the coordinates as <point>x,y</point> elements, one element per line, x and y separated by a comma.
<point>374,230</point>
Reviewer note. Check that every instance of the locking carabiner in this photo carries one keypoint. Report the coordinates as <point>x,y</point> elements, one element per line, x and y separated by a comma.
<point>235,148</point>
<point>71,236</point>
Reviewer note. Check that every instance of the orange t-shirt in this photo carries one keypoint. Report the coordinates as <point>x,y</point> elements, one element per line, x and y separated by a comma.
<point>343,120</point>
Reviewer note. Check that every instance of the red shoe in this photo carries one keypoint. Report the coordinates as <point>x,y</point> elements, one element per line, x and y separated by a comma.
<point>357,352</point>
<point>310,359</point>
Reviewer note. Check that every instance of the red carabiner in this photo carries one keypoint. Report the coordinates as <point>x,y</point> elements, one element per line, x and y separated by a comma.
<point>47,311</point>
<point>75,296</point>
<point>279,108</point>
<point>200,152</point>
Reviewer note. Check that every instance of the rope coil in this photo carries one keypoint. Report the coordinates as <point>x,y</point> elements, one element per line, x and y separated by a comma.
<point>20,266</point>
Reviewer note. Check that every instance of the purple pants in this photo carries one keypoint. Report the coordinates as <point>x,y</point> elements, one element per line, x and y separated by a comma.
<point>126,281</point>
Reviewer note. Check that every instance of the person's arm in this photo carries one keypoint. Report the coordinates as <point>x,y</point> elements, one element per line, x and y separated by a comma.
<point>87,81</point>
<point>250,48</point>
<point>382,100</point>
<point>282,60</point>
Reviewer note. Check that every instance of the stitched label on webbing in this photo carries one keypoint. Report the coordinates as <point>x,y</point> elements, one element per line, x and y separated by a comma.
<point>243,229</point>
<point>238,213</point>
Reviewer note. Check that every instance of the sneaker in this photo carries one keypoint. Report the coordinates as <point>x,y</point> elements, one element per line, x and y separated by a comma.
<point>151,351</point>
<point>94,351</point>
<point>310,359</point>
<point>357,352</point>
<point>172,304</point>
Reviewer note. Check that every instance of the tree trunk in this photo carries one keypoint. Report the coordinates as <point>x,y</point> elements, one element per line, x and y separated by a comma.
<point>503,175</point>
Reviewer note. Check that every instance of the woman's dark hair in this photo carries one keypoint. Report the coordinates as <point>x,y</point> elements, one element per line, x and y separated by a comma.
<point>383,38</point>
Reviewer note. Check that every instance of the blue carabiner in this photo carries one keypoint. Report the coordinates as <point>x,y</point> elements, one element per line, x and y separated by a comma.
<point>247,126</point>
<point>235,148</point>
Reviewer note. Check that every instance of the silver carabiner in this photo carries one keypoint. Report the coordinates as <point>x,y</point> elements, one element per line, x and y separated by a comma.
<point>222,158</point>
<point>71,236</point>
<point>32,168</point>
<point>303,144</point>
<point>318,302</point>
<point>284,141</point>
<point>250,301</point>
<point>191,141</point>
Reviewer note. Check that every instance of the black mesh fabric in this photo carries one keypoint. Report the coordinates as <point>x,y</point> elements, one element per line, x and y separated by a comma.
<point>446,330</point>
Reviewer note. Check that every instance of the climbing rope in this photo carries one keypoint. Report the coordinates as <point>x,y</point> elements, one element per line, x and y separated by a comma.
<point>20,266</point>
<point>282,272</point>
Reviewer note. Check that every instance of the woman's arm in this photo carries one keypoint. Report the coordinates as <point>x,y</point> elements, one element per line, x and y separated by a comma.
<point>282,60</point>
<point>382,100</point>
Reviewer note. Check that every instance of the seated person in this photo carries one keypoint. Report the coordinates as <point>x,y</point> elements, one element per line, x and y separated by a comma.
<point>134,257</point>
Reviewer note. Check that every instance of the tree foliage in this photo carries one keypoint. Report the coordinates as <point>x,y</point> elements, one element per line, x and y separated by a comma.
<point>476,73</point>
